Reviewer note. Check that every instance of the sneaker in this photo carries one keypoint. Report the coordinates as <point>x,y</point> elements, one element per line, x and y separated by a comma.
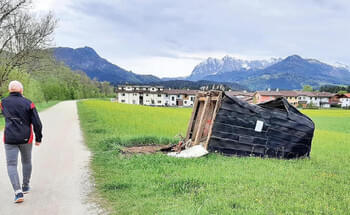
<point>19,198</point>
<point>25,189</point>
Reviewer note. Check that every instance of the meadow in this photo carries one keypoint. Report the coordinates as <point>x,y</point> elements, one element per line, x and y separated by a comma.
<point>215,184</point>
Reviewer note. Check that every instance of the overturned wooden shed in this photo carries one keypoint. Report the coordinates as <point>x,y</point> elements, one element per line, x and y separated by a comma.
<point>226,124</point>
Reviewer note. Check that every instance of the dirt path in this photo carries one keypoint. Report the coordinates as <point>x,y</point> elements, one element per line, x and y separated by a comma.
<point>60,180</point>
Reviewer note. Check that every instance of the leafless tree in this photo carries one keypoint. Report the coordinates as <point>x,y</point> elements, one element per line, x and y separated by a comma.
<point>22,35</point>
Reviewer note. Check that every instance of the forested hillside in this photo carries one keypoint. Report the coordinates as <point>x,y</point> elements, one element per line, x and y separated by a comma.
<point>45,79</point>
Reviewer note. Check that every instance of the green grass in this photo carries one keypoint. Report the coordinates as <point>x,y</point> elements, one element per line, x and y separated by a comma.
<point>45,105</point>
<point>40,107</point>
<point>131,124</point>
<point>215,184</point>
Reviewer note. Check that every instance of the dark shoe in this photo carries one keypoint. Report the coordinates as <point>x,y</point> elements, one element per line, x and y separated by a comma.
<point>25,189</point>
<point>19,198</point>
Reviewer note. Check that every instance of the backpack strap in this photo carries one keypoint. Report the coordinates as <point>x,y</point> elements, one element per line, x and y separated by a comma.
<point>7,115</point>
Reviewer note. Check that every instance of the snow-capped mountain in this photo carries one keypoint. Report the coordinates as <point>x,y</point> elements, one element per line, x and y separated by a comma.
<point>292,72</point>
<point>341,65</point>
<point>213,66</point>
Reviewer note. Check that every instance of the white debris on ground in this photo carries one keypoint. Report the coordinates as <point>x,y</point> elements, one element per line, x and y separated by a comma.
<point>193,152</point>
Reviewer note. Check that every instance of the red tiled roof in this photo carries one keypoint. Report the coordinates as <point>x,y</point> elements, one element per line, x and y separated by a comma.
<point>324,94</point>
<point>183,92</point>
<point>305,93</point>
<point>278,93</point>
<point>295,93</point>
<point>239,93</point>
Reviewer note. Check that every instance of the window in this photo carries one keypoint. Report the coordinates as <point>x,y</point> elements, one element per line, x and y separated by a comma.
<point>159,95</point>
<point>185,102</point>
<point>178,96</point>
<point>133,101</point>
<point>172,98</point>
<point>192,98</point>
<point>123,94</point>
<point>167,95</point>
<point>146,94</point>
<point>134,94</point>
<point>159,101</point>
<point>123,101</point>
<point>158,89</point>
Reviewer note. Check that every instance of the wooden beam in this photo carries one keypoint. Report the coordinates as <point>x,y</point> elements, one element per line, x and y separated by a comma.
<point>202,121</point>
<point>190,124</point>
<point>196,120</point>
<point>216,110</point>
<point>211,98</point>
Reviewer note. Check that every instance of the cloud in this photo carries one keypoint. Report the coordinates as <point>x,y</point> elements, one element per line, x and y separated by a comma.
<point>179,34</point>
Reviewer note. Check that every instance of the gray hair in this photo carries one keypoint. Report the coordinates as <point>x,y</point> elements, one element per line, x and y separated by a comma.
<point>15,86</point>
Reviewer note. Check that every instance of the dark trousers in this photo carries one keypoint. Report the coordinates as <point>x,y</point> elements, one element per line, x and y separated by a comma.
<point>12,160</point>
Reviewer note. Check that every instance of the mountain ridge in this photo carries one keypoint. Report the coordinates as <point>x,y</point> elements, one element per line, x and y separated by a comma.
<point>291,72</point>
<point>87,60</point>
<point>213,66</point>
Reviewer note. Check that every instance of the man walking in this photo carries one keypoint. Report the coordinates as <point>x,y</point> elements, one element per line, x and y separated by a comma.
<point>20,118</point>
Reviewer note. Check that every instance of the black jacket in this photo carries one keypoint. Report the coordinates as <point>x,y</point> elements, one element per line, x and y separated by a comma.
<point>20,117</point>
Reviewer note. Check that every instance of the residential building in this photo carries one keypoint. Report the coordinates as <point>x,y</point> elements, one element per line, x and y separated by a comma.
<point>264,96</point>
<point>159,96</point>
<point>341,100</point>
<point>140,94</point>
<point>175,97</point>
<point>296,98</point>
<point>345,101</point>
<point>318,99</point>
<point>155,96</point>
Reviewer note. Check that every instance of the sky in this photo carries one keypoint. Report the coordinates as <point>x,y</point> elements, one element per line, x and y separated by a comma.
<point>168,38</point>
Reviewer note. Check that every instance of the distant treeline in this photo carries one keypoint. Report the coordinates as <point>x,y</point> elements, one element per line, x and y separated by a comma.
<point>45,79</point>
<point>335,89</point>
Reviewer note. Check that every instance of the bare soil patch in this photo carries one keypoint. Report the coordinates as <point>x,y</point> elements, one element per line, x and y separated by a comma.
<point>147,149</point>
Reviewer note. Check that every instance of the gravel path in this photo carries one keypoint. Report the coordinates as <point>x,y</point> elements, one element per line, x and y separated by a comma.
<point>60,179</point>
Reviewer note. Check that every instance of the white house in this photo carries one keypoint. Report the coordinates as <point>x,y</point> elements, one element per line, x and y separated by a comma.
<point>180,97</point>
<point>155,96</point>
<point>345,101</point>
<point>318,99</point>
